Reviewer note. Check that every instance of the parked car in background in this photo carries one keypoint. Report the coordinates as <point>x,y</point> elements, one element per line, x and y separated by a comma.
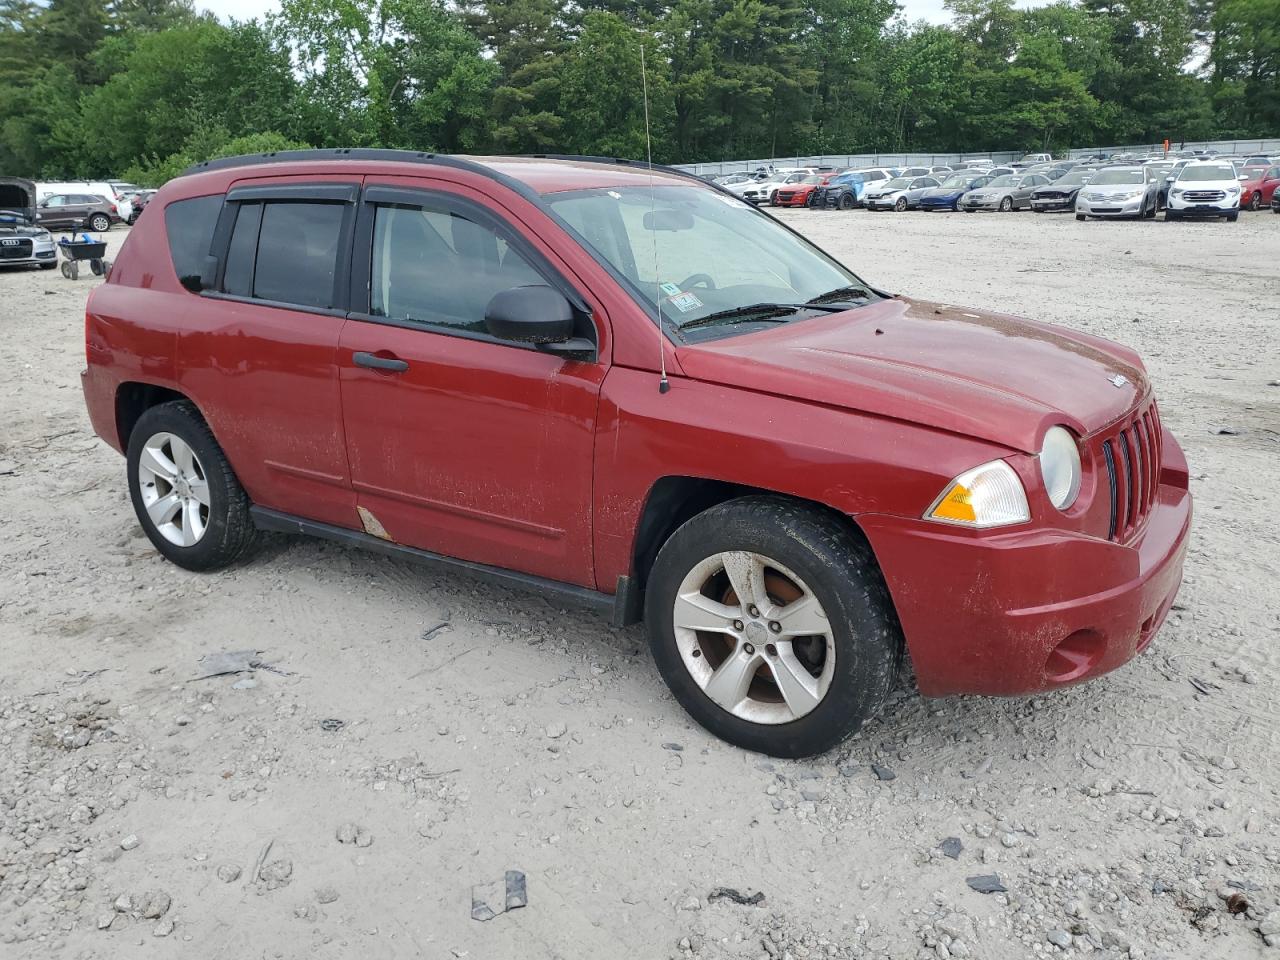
<point>952,493</point>
<point>1029,158</point>
<point>1258,186</point>
<point>1060,194</point>
<point>76,211</point>
<point>115,191</point>
<point>946,196</point>
<point>1258,161</point>
<point>1119,192</point>
<point>23,242</point>
<point>800,194</point>
<point>1004,193</point>
<point>900,193</point>
<point>842,192</point>
<point>942,171</point>
<point>914,172</point>
<point>137,203</point>
<point>1204,188</point>
<point>763,192</point>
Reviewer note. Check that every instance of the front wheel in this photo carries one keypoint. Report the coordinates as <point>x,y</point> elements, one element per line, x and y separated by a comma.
<point>900,204</point>
<point>1006,204</point>
<point>772,626</point>
<point>1171,215</point>
<point>1081,217</point>
<point>1233,217</point>
<point>184,492</point>
<point>846,202</point>
<point>1255,201</point>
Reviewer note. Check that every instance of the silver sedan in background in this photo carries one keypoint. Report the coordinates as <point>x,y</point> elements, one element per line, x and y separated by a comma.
<point>1009,192</point>
<point>900,193</point>
<point>1120,192</point>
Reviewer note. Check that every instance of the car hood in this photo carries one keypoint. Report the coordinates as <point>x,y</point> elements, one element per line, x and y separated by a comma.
<point>991,376</point>
<point>1111,189</point>
<point>18,195</point>
<point>989,193</point>
<point>18,229</point>
<point>943,192</point>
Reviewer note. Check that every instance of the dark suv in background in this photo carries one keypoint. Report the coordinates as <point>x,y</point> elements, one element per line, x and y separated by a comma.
<point>72,211</point>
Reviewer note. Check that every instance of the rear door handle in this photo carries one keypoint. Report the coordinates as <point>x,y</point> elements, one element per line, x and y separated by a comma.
<point>374,362</point>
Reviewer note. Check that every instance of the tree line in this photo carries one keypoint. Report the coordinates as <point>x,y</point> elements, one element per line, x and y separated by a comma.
<point>141,88</point>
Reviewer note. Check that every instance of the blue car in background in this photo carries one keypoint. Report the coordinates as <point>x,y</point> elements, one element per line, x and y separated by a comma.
<point>947,196</point>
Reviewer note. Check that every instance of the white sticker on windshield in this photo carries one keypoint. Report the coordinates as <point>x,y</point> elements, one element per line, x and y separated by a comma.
<point>685,302</point>
<point>615,194</point>
<point>670,289</point>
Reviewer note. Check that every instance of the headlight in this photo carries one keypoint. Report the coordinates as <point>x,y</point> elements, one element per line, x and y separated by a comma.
<point>44,235</point>
<point>987,496</point>
<point>1060,467</point>
<point>1176,191</point>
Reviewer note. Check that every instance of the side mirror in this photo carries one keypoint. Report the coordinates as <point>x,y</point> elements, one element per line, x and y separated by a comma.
<point>539,315</point>
<point>44,202</point>
<point>1169,179</point>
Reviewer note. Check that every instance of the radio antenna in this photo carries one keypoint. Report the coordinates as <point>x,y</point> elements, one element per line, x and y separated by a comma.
<point>663,384</point>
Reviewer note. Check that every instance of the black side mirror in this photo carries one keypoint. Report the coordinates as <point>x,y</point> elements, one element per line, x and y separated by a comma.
<point>539,315</point>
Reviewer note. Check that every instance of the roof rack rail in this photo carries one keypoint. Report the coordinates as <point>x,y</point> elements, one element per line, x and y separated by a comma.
<point>635,164</point>
<point>367,153</point>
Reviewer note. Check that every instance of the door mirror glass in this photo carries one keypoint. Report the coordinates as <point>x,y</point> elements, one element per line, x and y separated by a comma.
<point>531,314</point>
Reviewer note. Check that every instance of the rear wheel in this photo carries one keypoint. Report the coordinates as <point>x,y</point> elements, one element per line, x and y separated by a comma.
<point>772,626</point>
<point>184,492</point>
<point>99,223</point>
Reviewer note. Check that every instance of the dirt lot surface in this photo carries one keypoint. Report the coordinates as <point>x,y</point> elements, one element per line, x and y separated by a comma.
<point>449,731</point>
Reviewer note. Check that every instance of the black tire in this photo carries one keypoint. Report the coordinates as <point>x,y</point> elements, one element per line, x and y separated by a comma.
<point>899,205</point>
<point>47,266</point>
<point>1081,217</point>
<point>99,223</point>
<point>1255,201</point>
<point>842,574</point>
<point>230,533</point>
<point>1233,217</point>
<point>846,202</point>
<point>1006,205</point>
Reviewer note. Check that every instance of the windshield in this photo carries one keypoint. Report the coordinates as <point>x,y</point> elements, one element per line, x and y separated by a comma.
<point>814,179</point>
<point>700,251</point>
<point>1207,172</point>
<point>958,182</point>
<point>898,183</point>
<point>1072,178</point>
<point>848,178</point>
<point>1113,177</point>
<point>1005,181</point>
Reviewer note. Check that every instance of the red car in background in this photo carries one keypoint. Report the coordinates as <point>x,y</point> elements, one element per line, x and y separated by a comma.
<point>801,194</point>
<point>1258,186</point>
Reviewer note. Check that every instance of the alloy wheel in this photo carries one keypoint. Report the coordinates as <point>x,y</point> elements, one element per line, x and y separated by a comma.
<point>174,489</point>
<point>754,637</point>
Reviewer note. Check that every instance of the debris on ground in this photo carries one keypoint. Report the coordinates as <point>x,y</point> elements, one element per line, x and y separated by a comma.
<point>490,899</point>
<point>729,893</point>
<point>951,847</point>
<point>986,883</point>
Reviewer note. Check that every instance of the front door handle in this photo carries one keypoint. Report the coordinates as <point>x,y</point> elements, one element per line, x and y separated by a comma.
<point>374,362</point>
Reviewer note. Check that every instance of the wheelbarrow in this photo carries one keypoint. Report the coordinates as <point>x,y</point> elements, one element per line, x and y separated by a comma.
<point>75,251</point>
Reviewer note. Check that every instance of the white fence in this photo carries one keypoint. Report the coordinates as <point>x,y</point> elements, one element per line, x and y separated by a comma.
<point>1271,146</point>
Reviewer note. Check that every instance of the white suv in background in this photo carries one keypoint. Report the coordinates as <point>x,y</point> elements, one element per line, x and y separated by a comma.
<point>1204,188</point>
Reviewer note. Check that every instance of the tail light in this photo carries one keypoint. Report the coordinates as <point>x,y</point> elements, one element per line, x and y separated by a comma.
<point>113,208</point>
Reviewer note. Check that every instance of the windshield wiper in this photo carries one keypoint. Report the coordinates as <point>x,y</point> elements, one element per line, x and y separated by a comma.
<point>756,311</point>
<point>841,294</point>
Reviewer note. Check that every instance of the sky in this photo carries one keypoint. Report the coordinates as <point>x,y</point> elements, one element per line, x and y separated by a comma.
<point>930,10</point>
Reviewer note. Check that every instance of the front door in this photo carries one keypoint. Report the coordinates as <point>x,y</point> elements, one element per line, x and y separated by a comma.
<point>59,212</point>
<point>461,443</point>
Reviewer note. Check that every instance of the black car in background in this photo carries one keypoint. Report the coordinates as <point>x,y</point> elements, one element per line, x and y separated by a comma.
<point>1060,195</point>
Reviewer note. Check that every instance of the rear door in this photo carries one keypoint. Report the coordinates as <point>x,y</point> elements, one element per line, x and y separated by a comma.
<point>259,349</point>
<point>461,443</point>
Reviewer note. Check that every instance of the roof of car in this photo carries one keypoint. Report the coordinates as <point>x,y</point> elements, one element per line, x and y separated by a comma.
<point>540,174</point>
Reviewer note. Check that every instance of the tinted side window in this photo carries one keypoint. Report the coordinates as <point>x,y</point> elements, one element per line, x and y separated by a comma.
<point>439,268</point>
<point>298,252</point>
<point>238,275</point>
<point>189,225</point>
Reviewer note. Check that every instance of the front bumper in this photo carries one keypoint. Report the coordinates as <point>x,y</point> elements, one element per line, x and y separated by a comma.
<point>879,203</point>
<point>1056,204</point>
<point>1027,611</point>
<point>1191,208</point>
<point>979,204</point>
<point>937,203</point>
<point>1128,207</point>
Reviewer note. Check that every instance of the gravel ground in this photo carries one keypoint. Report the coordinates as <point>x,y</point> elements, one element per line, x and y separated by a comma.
<point>407,735</point>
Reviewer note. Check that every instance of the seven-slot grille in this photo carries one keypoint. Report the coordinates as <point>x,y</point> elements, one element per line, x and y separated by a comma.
<point>1132,452</point>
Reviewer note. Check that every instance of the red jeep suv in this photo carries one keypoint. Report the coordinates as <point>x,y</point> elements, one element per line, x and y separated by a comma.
<point>630,388</point>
